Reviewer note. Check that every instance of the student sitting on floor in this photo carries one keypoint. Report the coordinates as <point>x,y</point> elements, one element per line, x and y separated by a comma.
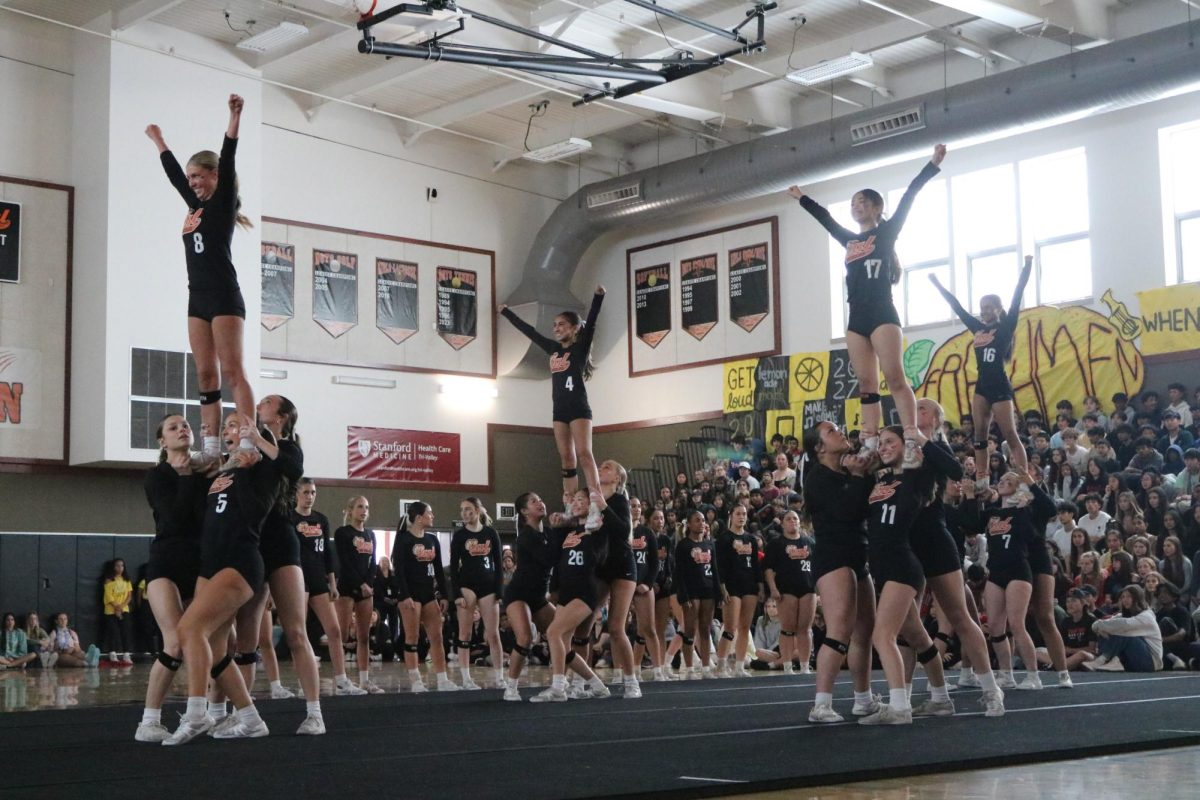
<point>1129,641</point>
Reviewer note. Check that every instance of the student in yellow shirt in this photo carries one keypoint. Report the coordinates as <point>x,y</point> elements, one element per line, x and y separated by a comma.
<point>118,621</point>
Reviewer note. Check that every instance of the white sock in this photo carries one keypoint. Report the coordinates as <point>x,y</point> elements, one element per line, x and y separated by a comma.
<point>215,710</point>
<point>658,672</point>
<point>908,688</point>
<point>248,716</point>
<point>939,694</point>
<point>212,446</point>
<point>276,685</point>
<point>364,676</point>
<point>340,680</point>
<point>963,673</point>
<point>898,699</point>
<point>559,683</point>
<point>630,679</point>
<point>466,673</point>
<point>863,698</point>
<point>500,679</point>
<point>987,680</point>
<point>824,698</point>
<point>442,678</point>
<point>314,708</point>
<point>151,715</point>
<point>196,706</point>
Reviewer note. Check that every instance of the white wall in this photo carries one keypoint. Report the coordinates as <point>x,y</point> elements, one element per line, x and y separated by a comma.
<point>1126,236</point>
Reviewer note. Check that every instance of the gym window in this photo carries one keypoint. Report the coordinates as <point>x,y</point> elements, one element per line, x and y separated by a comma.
<point>1179,161</point>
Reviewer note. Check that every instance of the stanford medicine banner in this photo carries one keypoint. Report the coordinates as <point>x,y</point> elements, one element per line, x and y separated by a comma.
<point>402,456</point>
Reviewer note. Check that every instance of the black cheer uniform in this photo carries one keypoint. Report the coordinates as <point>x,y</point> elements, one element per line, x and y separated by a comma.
<point>697,576</point>
<point>993,343</point>
<point>737,558</point>
<point>418,566</point>
<point>870,259</point>
<point>316,550</point>
<point>475,562</point>
<point>178,502</point>
<point>617,528</point>
<point>238,502</point>
<point>664,582</point>
<point>961,521</point>
<point>278,543</point>
<point>930,537</point>
<point>566,364</point>
<point>645,555</point>
<point>791,561</point>
<point>536,556</point>
<point>213,289</point>
<point>580,553</point>
<point>1011,536</point>
<point>356,560</point>
<point>837,505</point>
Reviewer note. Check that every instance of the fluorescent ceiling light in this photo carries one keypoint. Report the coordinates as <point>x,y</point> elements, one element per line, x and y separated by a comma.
<point>833,68</point>
<point>273,374</point>
<point>559,150</point>
<point>993,11</point>
<point>354,380</point>
<point>466,389</point>
<point>281,34</point>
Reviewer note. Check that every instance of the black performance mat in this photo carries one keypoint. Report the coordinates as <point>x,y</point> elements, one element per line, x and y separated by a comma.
<point>682,739</point>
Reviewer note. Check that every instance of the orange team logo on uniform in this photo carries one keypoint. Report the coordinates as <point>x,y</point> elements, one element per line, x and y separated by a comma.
<point>998,526</point>
<point>560,363</point>
<point>883,491</point>
<point>743,548</point>
<point>573,539</point>
<point>478,548</point>
<point>701,556</point>
<point>5,222</point>
<point>192,220</point>
<point>984,338</point>
<point>223,482</point>
<point>857,250</point>
<point>308,530</point>
<point>638,543</point>
<point>796,552</point>
<point>363,546</point>
<point>423,553</point>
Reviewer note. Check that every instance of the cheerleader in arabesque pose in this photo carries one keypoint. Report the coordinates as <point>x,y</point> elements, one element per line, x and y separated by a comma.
<point>418,559</point>
<point>570,354</point>
<point>994,331</point>
<point>216,310</point>
<point>873,334</point>
<point>477,580</point>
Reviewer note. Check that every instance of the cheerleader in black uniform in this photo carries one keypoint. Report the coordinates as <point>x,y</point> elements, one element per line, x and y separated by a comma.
<point>941,561</point>
<point>355,544</point>
<point>1041,608</point>
<point>477,581</point>
<point>873,335</point>
<point>645,556</point>
<point>570,365</point>
<point>787,570</point>
<point>177,495</point>
<point>580,553</point>
<point>1010,528</point>
<point>320,579</point>
<point>994,332</point>
<point>618,572</point>
<point>231,571</point>
<point>216,311</point>
<point>836,488</point>
<point>741,573</point>
<point>525,600</point>
<point>665,603</point>
<point>698,589</point>
<point>418,559</point>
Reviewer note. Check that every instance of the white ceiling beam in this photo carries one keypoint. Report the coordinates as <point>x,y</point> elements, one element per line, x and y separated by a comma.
<point>873,78</point>
<point>866,41</point>
<point>473,106</point>
<point>683,35</point>
<point>364,82</point>
<point>134,11</point>
<point>1088,17</point>
<point>554,11</point>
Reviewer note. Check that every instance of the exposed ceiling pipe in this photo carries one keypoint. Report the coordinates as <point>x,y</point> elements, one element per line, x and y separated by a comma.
<point>1125,73</point>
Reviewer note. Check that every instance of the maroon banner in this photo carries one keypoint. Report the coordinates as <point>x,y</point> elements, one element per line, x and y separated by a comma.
<point>400,456</point>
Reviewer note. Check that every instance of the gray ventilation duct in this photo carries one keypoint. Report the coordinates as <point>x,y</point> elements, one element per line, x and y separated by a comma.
<point>1126,73</point>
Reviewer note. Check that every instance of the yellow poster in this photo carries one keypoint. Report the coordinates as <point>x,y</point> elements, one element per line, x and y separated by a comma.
<point>1170,319</point>
<point>785,422</point>
<point>810,376</point>
<point>738,389</point>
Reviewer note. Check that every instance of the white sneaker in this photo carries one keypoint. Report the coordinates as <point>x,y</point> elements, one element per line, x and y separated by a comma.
<point>824,713</point>
<point>227,721</point>
<point>726,671</point>
<point>869,708</point>
<point>913,458</point>
<point>886,715</point>
<point>511,693</point>
<point>347,688</point>
<point>189,730</point>
<point>1095,663</point>
<point>577,692</point>
<point>967,681</point>
<point>1032,682</point>
<point>281,693</point>
<point>1111,665</point>
<point>371,688</point>
<point>708,672</point>
<point>1065,682</point>
<point>469,684</point>
<point>788,669</point>
<point>151,732</point>
<point>550,694</point>
<point>993,703</point>
<point>312,726</point>
<point>664,675</point>
<point>934,708</point>
<point>805,669</point>
<point>1005,680</point>
<point>595,518</point>
<point>448,686</point>
<point>240,730</point>
<point>740,671</point>
<point>598,692</point>
<point>633,691</point>
<point>375,657</point>
<point>418,687</point>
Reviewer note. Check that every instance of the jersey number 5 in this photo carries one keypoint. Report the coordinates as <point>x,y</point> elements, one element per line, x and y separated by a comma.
<point>222,501</point>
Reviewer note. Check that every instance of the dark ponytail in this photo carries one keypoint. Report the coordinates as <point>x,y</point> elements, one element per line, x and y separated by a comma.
<point>415,509</point>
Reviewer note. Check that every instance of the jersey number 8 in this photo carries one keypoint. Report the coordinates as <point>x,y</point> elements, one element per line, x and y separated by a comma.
<point>198,242</point>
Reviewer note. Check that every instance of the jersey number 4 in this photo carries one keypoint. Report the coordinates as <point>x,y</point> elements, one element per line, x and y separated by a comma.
<point>570,383</point>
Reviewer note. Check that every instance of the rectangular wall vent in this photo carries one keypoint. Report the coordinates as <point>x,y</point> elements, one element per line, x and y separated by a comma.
<point>906,121</point>
<point>621,195</point>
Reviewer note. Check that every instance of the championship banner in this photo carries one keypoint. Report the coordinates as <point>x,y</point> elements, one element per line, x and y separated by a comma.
<point>457,306</point>
<point>278,284</point>
<point>652,303</point>
<point>749,286</point>
<point>1170,319</point>
<point>739,385</point>
<point>335,291</point>
<point>698,294</point>
<point>771,380</point>
<point>396,298</point>
<point>403,456</point>
<point>10,242</point>
<point>20,382</point>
